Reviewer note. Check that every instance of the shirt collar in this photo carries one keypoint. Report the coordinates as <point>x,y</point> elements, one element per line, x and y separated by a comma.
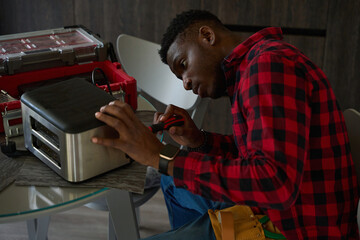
<point>244,47</point>
<point>233,60</point>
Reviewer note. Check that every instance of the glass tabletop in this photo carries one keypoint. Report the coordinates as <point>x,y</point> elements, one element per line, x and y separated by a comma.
<point>20,200</point>
<point>16,200</point>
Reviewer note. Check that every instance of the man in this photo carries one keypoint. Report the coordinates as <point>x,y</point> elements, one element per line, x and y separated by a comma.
<point>289,155</point>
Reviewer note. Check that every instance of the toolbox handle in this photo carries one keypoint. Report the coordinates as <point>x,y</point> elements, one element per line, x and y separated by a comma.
<point>38,51</point>
<point>83,27</point>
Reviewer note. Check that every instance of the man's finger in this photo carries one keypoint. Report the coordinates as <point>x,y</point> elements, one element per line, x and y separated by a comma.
<point>120,113</point>
<point>179,131</point>
<point>124,107</point>
<point>157,117</point>
<point>108,142</point>
<point>174,110</point>
<point>113,122</point>
<point>169,111</point>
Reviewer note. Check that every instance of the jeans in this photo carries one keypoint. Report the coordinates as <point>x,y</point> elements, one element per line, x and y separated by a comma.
<point>187,213</point>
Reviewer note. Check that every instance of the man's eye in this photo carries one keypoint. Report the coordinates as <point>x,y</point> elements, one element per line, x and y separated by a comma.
<point>183,64</point>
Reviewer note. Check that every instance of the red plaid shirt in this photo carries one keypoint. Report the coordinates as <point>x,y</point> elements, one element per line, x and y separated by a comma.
<point>289,154</point>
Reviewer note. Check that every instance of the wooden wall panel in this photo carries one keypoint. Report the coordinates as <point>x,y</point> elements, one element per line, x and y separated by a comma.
<point>342,53</point>
<point>167,10</point>
<point>284,13</point>
<point>91,14</point>
<point>18,16</point>
<point>144,19</point>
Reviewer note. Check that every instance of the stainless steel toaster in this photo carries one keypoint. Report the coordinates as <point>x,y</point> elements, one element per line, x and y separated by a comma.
<point>59,121</point>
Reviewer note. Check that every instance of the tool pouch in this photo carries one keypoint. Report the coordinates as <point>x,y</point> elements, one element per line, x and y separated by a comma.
<point>240,223</point>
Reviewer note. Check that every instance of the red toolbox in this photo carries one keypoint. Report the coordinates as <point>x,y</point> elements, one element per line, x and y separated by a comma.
<point>29,60</point>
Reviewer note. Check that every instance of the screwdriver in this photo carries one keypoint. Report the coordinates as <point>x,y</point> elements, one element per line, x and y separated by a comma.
<point>174,120</point>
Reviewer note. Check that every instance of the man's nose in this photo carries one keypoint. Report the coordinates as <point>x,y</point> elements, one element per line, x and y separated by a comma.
<point>187,83</point>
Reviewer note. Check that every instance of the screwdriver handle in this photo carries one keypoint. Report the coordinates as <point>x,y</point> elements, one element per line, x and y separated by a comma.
<point>174,120</point>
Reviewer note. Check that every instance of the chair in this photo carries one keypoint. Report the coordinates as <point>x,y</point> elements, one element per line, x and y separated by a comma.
<point>352,120</point>
<point>140,59</point>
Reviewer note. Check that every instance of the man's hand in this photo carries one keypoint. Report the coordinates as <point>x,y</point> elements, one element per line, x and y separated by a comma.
<point>135,139</point>
<point>188,134</point>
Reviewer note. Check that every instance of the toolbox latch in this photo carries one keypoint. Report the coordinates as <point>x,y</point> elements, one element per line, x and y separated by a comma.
<point>12,130</point>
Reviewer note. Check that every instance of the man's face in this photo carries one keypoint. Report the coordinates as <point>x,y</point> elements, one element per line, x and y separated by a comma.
<point>198,67</point>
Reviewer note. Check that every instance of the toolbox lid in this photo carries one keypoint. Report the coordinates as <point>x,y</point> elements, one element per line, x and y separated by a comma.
<point>30,51</point>
<point>69,105</point>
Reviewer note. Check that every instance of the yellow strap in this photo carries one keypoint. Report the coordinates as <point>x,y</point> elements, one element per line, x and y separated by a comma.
<point>227,226</point>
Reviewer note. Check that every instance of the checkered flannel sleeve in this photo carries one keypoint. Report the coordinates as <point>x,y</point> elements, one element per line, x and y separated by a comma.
<point>217,144</point>
<point>271,128</point>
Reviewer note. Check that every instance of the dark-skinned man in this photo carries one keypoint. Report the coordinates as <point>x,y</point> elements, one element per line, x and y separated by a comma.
<point>288,156</point>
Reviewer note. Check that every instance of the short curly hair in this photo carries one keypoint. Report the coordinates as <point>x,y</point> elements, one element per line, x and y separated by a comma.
<point>178,26</point>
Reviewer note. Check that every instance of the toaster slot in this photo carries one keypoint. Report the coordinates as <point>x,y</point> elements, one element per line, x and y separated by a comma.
<point>48,152</point>
<point>44,132</point>
<point>45,142</point>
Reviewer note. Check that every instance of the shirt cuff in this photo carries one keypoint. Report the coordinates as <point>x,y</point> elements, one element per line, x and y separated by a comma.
<point>204,146</point>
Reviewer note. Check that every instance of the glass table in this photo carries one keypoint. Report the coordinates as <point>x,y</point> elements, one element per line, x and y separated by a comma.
<point>36,204</point>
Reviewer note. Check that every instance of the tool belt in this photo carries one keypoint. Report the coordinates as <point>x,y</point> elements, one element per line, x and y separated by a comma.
<point>240,223</point>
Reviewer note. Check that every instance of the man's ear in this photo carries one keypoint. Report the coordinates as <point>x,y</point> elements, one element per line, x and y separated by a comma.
<point>207,35</point>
